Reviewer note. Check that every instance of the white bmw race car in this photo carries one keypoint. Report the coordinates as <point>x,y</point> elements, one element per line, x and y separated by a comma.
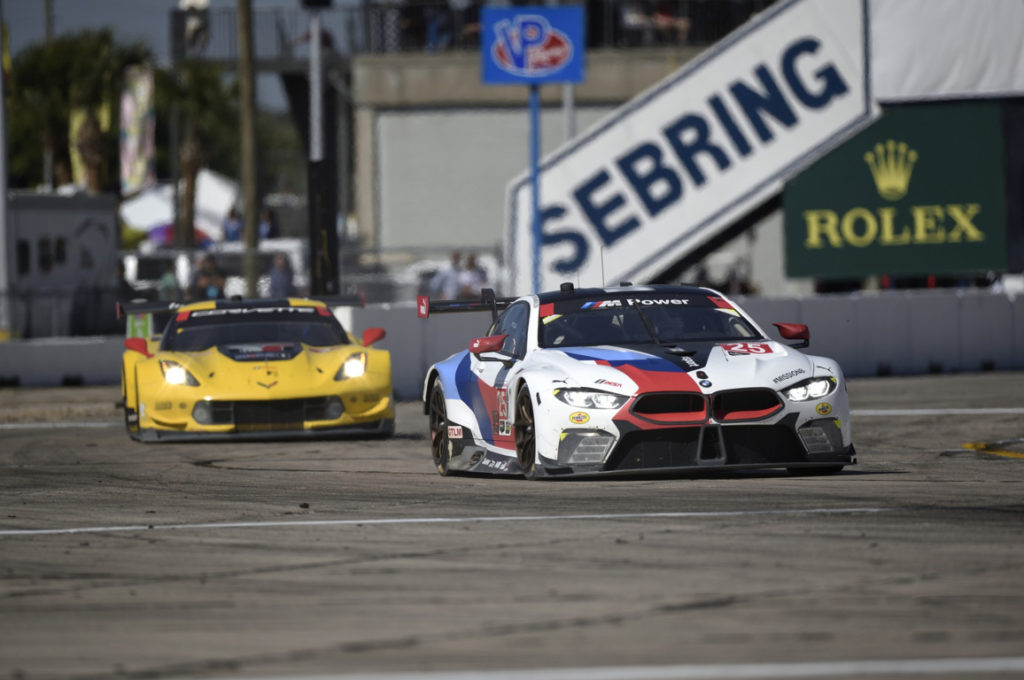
<point>634,379</point>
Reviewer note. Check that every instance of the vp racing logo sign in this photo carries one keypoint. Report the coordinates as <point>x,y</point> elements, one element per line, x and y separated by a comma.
<point>531,45</point>
<point>527,45</point>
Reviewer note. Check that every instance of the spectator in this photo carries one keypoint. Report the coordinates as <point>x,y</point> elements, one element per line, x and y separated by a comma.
<point>281,277</point>
<point>445,283</point>
<point>472,278</point>
<point>232,226</point>
<point>672,29</point>
<point>267,227</point>
<point>167,286</point>
<point>207,281</point>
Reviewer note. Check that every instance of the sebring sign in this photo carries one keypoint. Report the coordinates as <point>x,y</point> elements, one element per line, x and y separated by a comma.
<point>672,168</point>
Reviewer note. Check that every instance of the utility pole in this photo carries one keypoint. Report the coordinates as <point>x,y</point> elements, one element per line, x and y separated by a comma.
<point>247,116</point>
<point>5,277</point>
<point>322,205</point>
<point>48,148</point>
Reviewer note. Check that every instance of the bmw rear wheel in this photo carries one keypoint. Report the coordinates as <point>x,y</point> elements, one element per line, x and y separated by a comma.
<point>440,448</point>
<point>525,434</point>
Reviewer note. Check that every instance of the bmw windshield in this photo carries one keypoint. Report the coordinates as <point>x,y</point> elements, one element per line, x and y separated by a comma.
<point>633,321</point>
<point>198,330</point>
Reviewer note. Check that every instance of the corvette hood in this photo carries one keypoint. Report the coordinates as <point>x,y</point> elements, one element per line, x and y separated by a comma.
<point>273,371</point>
<point>692,366</point>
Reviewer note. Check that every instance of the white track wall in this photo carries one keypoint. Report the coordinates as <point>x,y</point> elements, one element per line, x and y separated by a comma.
<point>899,333</point>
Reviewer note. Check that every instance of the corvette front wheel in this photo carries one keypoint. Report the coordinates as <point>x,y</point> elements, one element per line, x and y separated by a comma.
<point>525,434</point>
<point>440,448</point>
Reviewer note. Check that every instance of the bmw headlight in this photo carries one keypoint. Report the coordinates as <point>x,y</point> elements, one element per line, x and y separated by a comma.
<point>175,374</point>
<point>590,398</point>
<point>815,388</point>
<point>354,367</point>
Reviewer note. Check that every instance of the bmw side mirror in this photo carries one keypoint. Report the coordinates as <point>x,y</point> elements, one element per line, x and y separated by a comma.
<point>489,348</point>
<point>795,331</point>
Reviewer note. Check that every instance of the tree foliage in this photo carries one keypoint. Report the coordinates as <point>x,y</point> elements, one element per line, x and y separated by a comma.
<point>48,81</point>
<point>86,69</point>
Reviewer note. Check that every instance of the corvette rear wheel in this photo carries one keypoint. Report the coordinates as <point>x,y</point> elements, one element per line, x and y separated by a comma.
<point>525,431</point>
<point>440,448</point>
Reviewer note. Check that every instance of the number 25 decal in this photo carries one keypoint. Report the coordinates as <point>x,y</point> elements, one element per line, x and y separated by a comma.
<point>747,348</point>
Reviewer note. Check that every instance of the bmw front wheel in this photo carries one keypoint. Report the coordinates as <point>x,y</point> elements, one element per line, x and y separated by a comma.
<point>525,434</point>
<point>440,448</point>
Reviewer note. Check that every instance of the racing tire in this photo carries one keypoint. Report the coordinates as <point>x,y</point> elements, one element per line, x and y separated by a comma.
<point>821,471</point>
<point>440,448</point>
<point>525,434</point>
<point>131,430</point>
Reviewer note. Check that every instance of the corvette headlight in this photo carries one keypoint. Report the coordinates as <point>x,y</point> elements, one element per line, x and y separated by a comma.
<point>815,388</point>
<point>175,374</point>
<point>590,398</point>
<point>354,367</point>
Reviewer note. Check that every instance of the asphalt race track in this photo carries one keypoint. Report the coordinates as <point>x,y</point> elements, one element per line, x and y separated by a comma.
<point>348,558</point>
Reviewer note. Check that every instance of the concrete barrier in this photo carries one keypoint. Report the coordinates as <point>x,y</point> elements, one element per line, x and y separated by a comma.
<point>891,332</point>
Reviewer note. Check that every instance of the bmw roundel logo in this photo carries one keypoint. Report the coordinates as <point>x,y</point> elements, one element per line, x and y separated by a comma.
<point>705,383</point>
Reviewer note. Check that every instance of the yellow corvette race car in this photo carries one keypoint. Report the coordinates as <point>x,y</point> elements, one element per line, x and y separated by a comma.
<point>283,368</point>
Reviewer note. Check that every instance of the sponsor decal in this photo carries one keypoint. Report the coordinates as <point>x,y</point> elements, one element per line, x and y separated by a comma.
<point>737,348</point>
<point>689,361</point>
<point>789,374</point>
<point>500,465</point>
<point>455,432</point>
<point>500,423</point>
<point>629,302</point>
<point>253,311</point>
<point>609,383</point>
<point>579,418</point>
<point>823,408</point>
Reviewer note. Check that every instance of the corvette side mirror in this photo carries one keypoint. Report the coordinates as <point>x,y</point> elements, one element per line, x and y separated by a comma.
<point>372,335</point>
<point>489,348</point>
<point>137,345</point>
<point>795,331</point>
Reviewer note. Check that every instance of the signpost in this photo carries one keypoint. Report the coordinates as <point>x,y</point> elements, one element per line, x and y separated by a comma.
<point>682,161</point>
<point>532,45</point>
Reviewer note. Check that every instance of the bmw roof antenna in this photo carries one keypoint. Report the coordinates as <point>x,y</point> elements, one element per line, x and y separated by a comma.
<point>566,288</point>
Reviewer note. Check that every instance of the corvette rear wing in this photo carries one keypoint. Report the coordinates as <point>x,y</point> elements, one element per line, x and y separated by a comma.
<point>151,306</point>
<point>487,303</point>
<point>146,318</point>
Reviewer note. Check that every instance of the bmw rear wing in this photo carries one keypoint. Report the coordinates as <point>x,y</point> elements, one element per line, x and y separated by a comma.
<point>487,303</point>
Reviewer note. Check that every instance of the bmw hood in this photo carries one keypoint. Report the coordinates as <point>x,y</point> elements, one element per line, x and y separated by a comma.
<point>691,366</point>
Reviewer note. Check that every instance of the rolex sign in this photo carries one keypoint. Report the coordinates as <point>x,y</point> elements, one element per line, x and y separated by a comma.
<point>919,192</point>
